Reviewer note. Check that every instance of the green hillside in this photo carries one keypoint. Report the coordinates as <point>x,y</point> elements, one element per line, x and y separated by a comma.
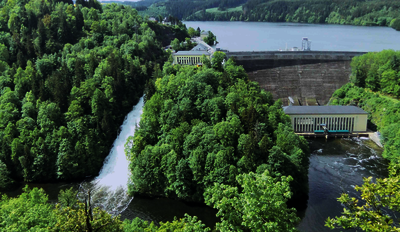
<point>185,8</point>
<point>68,76</point>
<point>216,10</point>
<point>375,87</point>
<point>349,12</point>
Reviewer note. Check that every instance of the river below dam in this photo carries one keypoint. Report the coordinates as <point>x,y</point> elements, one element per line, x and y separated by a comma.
<point>336,166</point>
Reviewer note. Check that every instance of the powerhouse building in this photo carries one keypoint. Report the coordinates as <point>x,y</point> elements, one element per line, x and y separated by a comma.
<point>307,119</point>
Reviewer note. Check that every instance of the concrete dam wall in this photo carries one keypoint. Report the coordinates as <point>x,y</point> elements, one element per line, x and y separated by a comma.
<point>309,76</point>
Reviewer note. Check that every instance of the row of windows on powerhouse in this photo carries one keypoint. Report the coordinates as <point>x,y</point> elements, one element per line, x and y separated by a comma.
<point>311,124</point>
<point>188,60</point>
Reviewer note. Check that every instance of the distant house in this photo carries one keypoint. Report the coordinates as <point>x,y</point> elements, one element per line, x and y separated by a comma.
<point>166,21</point>
<point>168,47</point>
<point>204,34</point>
<point>152,19</point>
<point>200,47</point>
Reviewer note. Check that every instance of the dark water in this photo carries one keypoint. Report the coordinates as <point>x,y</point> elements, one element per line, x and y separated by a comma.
<point>162,210</point>
<point>51,189</point>
<point>336,166</point>
<point>260,36</point>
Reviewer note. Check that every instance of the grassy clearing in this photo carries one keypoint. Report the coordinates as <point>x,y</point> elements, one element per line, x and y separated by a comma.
<point>216,11</point>
<point>154,11</point>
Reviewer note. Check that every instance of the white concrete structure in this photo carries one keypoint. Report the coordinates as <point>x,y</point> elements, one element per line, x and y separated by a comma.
<point>193,57</point>
<point>339,118</point>
<point>189,57</point>
<point>204,34</point>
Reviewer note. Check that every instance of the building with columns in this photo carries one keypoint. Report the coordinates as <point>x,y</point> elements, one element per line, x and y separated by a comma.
<point>189,57</point>
<point>335,118</point>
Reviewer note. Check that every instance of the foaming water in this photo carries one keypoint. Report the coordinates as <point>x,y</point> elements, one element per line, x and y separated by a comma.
<point>109,190</point>
<point>115,171</point>
<point>336,167</point>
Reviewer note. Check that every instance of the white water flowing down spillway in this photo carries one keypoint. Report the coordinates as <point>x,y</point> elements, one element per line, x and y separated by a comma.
<point>109,190</point>
<point>115,170</point>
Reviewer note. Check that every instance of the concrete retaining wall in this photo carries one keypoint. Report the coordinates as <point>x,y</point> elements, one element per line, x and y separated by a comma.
<point>297,74</point>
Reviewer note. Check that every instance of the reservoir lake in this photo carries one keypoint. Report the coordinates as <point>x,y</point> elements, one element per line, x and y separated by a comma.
<point>262,36</point>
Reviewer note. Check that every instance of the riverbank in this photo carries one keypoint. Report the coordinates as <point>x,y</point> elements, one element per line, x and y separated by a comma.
<point>374,136</point>
<point>383,113</point>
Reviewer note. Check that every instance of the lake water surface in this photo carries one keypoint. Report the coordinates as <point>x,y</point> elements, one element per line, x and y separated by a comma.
<point>261,36</point>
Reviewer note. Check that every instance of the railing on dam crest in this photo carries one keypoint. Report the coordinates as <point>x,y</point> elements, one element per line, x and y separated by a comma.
<point>293,55</point>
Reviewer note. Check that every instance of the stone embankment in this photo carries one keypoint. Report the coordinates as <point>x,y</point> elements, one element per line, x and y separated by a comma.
<point>374,136</point>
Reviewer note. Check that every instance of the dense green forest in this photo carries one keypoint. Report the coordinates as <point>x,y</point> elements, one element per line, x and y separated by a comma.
<point>31,211</point>
<point>204,126</point>
<point>375,87</point>
<point>69,75</point>
<point>352,12</point>
<point>180,8</point>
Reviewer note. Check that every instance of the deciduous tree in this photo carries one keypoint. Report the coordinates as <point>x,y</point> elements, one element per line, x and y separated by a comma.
<point>371,212</point>
<point>259,204</point>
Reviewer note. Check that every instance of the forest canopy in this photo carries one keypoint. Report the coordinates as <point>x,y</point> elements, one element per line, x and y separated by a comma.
<point>69,75</point>
<point>352,12</point>
<point>31,211</point>
<point>208,125</point>
<point>375,87</point>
